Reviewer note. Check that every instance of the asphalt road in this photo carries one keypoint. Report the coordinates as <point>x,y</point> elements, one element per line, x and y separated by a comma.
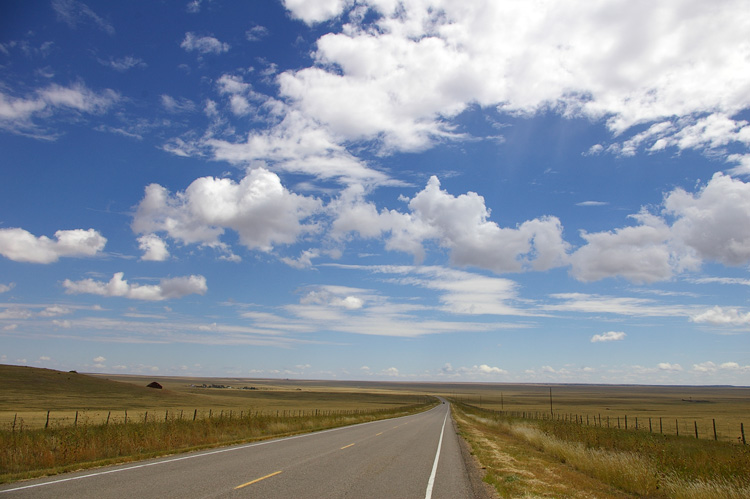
<point>411,457</point>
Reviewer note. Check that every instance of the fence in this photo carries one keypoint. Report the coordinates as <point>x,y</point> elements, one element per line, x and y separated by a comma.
<point>35,420</point>
<point>653,424</point>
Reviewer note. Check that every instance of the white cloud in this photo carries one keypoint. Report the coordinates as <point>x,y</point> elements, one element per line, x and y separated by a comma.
<point>314,11</point>
<point>21,246</point>
<point>712,368</point>
<point>720,316</point>
<point>99,359</point>
<point>304,261</point>
<point>167,289</point>
<point>424,61</point>
<point>256,33</point>
<point>715,222</point>
<point>666,366</point>
<point>73,13</point>
<point>598,304</point>
<point>608,336</point>
<point>4,288</point>
<point>123,63</point>
<point>55,310</point>
<point>459,224</point>
<point>203,44</point>
<point>391,371</point>
<point>179,105</point>
<point>154,248</point>
<point>16,113</point>
<point>258,208</point>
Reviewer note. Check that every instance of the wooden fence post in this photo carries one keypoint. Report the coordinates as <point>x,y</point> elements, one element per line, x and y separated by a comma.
<point>677,427</point>
<point>108,414</point>
<point>46,425</point>
<point>126,416</point>
<point>195,414</point>
<point>696,428</point>
<point>75,423</point>
<point>715,437</point>
<point>742,430</point>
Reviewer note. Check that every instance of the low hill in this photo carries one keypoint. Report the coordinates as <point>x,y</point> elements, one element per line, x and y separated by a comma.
<point>33,388</point>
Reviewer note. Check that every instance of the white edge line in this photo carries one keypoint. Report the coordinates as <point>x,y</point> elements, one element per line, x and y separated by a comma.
<point>210,453</point>
<point>431,482</point>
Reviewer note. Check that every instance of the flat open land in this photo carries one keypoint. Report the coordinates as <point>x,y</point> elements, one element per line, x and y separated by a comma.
<point>28,393</point>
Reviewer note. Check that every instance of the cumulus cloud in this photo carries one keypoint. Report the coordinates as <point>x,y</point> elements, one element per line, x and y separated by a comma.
<point>421,62</point>
<point>715,222</point>
<point>720,316</point>
<point>4,288</point>
<point>712,224</point>
<point>21,246</point>
<point>458,223</point>
<point>258,208</point>
<point>608,336</point>
<point>167,289</point>
<point>154,248</point>
<point>203,44</point>
<point>666,366</point>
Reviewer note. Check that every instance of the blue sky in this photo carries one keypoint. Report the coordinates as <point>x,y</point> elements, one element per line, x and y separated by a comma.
<point>418,190</point>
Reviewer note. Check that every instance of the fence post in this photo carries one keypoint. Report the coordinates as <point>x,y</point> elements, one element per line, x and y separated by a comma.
<point>108,414</point>
<point>126,416</point>
<point>16,417</point>
<point>742,430</point>
<point>195,414</point>
<point>677,426</point>
<point>75,423</point>
<point>145,417</point>
<point>626,421</point>
<point>661,428</point>
<point>696,428</point>
<point>46,425</point>
<point>649,426</point>
<point>715,437</point>
<point>166,415</point>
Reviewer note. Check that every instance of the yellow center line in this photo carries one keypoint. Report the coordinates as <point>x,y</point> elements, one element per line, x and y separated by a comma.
<point>346,446</point>
<point>378,434</point>
<point>256,480</point>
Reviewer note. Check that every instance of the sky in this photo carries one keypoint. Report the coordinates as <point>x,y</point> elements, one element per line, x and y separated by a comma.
<point>413,190</point>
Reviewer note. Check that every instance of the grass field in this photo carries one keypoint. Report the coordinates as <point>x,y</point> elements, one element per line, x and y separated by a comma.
<point>543,458</point>
<point>28,393</point>
<point>190,413</point>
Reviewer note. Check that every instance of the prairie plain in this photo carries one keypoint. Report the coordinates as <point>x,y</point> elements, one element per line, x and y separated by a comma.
<point>28,393</point>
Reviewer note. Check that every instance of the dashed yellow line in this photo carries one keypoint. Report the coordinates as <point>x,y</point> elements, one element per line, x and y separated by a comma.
<point>346,446</point>
<point>257,480</point>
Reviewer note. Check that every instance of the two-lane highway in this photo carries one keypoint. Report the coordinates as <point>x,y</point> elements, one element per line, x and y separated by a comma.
<point>411,457</point>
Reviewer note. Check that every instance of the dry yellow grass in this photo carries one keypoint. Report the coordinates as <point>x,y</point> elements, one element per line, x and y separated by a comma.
<point>632,462</point>
<point>28,393</point>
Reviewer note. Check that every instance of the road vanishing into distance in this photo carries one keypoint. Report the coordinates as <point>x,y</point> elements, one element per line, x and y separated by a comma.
<point>415,456</point>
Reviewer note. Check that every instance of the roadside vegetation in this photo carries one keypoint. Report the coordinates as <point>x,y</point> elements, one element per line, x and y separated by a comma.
<point>37,452</point>
<point>526,457</point>
<point>53,421</point>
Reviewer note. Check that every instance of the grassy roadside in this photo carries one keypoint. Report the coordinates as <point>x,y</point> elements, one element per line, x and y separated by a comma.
<point>556,459</point>
<point>40,452</point>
